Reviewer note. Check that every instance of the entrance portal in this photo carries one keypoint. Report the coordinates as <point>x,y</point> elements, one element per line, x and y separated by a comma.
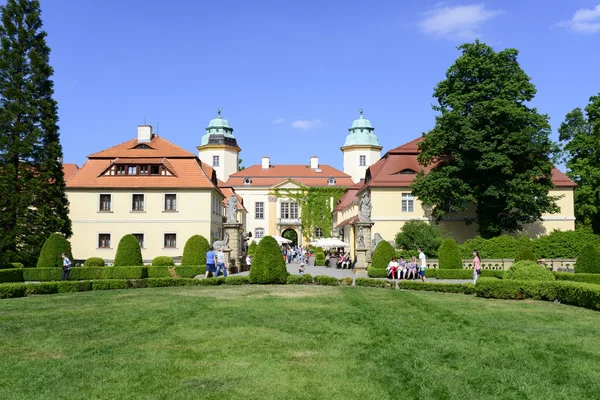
<point>291,235</point>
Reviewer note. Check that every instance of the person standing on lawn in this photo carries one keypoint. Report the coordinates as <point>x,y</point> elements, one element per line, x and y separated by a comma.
<point>211,258</point>
<point>422,264</point>
<point>66,269</point>
<point>221,265</point>
<point>476,266</point>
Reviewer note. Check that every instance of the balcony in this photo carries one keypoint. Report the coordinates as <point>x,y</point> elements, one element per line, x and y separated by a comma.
<point>288,221</point>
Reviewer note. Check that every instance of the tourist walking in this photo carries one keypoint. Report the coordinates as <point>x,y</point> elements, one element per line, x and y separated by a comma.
<point>476,266</point>
<point>422,264</point>
<point>221,265</point>
<point>248,261</point>
<point>211,259</point>
<point>66,268</point>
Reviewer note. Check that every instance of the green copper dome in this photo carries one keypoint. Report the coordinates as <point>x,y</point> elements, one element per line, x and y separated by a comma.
<point>361,133</point>
<point>218,132</point>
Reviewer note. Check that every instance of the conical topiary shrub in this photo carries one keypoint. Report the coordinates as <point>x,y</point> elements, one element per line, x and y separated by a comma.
<point>50,256</point>
<point>382,255</point>
<point>194,252</point>
<point>268,266</point>
<point>449,255</point>
<point>252,248</point>
<point>129,253</point>
<point>588,260</point>
<point>319,257</point>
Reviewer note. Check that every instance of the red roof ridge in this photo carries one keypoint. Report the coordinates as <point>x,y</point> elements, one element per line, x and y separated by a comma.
<point>406,147</point>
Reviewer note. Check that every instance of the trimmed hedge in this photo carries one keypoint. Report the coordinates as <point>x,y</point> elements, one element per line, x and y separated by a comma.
<point>12,290</point>
<point>319,257</point>
<point>585,278</point>
<point>528,271</point>
<point>128,252</point>
<point>268,266</point>
<point>252,248</point>
<point>451,273</point>
<point>85,273</point>
<point>53,247</point>
<point>377,272</point>
<point>158,272</point>
<point>367,282</point>
<point>512,289</point>
<point>194,252</point>
<point>298,280</point>
<point>163,261</point>
<point>189,271</point>
<point>382,255</point>
<point>449,256</point>
<point>94,262</point>
<point>464,288</point>
<point>525,254</point>
<point>11,275</point>
<point>588,260</point>
<point>327,280</point>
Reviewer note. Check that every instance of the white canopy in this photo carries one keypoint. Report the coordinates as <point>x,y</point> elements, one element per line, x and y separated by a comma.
<point>280,240</point>
<point>330,242</point>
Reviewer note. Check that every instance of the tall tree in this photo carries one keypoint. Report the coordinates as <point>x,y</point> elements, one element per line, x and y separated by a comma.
<point>488,148</point>
<point>581,137</point>
<point>33,203</point>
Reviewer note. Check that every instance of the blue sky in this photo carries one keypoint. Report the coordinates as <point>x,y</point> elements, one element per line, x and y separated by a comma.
<point>291,75</point>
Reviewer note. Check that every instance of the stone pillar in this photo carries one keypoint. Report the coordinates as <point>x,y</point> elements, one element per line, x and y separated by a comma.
<point>363,250</point>
<point>233,251</point>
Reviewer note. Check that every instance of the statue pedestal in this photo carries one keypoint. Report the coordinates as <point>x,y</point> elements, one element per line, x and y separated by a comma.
<point>227,253</point>
<point>360,270</point>
<point>234,250</point>
<point>366,229</point>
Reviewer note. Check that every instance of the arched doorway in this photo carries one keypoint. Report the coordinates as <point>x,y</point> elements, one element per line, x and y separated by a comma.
<point>290,234</point>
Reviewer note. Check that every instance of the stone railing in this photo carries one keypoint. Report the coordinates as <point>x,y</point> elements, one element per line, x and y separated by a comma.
<point>501,264</point>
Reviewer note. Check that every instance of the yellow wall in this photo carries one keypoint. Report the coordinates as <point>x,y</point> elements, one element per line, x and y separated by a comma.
<point>388,217</point>
<point>194,215</point>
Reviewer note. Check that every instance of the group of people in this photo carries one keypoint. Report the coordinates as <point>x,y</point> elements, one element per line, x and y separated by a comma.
<point>295,254</point>
<point>215,262</point>
<point>342,260</point>
<point>403,269</point>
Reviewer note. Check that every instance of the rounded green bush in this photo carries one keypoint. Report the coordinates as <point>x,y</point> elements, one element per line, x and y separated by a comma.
<point>319,257</point>
<point>525,254</point>
<point>50,256</point>
<point>163,261</point>
<point>268,266</point>
<point>194,252</point>
<point>449,255</point>
<point>129,253</point>
<point>588,260</point>
<point>252,248</point>
<point>94,262</point>
<point>528,271</point>
<point>382,255</point>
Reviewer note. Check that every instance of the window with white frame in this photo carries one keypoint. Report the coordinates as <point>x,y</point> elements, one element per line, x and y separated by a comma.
<point>293,210</point>
<point>170,202</point>
<point>104,240</point>
<point>285,210</point>
<point>140,238</point>
<point>318,232</point>
<point>105,202</point>
<point>259,233</point>
<point>170,241</point>
<point>137,202</point>
<point>408,202</point>
<point>362,161</point>
<point>259,210</point>
<point>215,161</point>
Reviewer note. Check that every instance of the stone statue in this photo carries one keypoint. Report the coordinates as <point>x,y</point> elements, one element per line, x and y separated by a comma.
<point>376,239</point>
<point>364,208</point>
<point>232,209</point>
<point>361,238</point>
<point>222,244</point>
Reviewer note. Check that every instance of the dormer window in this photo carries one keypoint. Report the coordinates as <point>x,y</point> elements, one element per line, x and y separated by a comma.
<point>408,171</point>
<point>247,181</point>
<point>143,147</point>
<point>331,181</point>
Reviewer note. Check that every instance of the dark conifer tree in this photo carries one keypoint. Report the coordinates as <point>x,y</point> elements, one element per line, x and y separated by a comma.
<point>33,203</point>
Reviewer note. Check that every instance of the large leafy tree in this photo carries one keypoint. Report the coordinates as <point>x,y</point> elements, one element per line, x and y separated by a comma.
<point>488,148</point>
<point>33,204</point>
<point>580,134</point>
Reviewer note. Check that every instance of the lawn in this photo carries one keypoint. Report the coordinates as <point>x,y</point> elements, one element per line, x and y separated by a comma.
<point>288,342</point>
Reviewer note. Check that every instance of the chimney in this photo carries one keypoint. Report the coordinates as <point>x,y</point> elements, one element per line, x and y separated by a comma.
<point>314,162</point>
<point>144,133</point>
<point>266,162</point>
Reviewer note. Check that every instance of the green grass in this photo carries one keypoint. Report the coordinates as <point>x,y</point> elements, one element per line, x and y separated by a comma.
<point>288,342</point>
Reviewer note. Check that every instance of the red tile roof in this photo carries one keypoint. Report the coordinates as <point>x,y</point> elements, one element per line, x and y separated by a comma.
<point>228,192</point>
<point>69,170</point>
<point>348,221</point>
<point>279,173</point>
<point>188,171</point>
<point>159,148</point>
<point>398,168</point>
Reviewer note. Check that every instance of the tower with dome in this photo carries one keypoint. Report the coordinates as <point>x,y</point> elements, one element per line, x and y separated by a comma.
<point>361,148</point>
<point>219,149</point>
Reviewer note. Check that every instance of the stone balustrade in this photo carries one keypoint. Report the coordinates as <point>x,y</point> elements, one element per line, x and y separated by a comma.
<point>502,264</point>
